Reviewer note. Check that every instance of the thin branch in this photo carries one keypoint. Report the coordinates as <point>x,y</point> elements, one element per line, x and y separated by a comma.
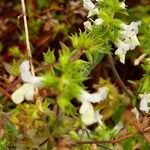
<point>44,142</point>
<point>104,142</point>
<point>128,92</point>
<point>27,36</point>
<point>104,147</point>
<point>10,87</point>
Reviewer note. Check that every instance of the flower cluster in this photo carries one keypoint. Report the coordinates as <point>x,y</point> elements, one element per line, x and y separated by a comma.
<point>128,40</point>
<point>88,115</point>
<point>26,91</point>
<point>93,10</point>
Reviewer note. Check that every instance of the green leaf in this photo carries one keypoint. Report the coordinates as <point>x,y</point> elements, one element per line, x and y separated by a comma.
<point>3,144</point>
<point>64,103</point>
<point>118,113</point>
<point>14,51</point>
<point>49,57</point>
<point>11,130</point>
<point>145,146</point>
<point>42,3</point>
<point>128,144</point>
<point>12,68</point>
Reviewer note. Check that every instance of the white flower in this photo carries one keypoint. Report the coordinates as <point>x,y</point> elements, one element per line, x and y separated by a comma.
<point>26,91</point>
<point>130,30</point>
<point>96,97</point>
<point>88,25</point>
<point>100,95</point>
<point>87,113</point>
<point>84,96</point>
<point>144,102</point>
<point>132,42</point>
<point>26,75</point>
<point>88,116</point>
<point>122,5</point>
<point>135,111</point>
<point>88,5</point>
<point>103,92</point>
<point>121,51</point>
<point>128,40</point>
<point>118,127</point>
<point>93,12</point>
<point>98,21</point>
<point>91,7</point>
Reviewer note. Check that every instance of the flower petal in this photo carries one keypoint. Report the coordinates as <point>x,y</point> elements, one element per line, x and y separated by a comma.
<point>144,102</point>
<point>24,67</point>
<point>93,12</point>
<point>98,21</point>
<point>98,117</point>
<point>103,92</point>
<point>26,75</point>
<point>87,113</point>
<point>88,25</point>
<point>86,107</point>
<point>84,96</point>
<point>88,5</point>
<point>118,127</point>
<point>36,81</point>
<point>28,91</point>
<point>18,96</point>
<point>121,53</point>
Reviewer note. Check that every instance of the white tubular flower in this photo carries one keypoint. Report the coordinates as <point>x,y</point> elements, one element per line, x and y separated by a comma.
<point>98,21</point>
<point>135,111</point>
<point>144,102</point>
<point>121,51</point>
<point>88,25</point>
<point>96,97</point>
<point>26,75</point>
<point>26,91</point>
<point>100,95</point>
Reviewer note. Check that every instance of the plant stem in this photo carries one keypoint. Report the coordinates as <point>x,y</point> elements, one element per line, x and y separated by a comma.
<point>27,36</point>
<point>128,92</point>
